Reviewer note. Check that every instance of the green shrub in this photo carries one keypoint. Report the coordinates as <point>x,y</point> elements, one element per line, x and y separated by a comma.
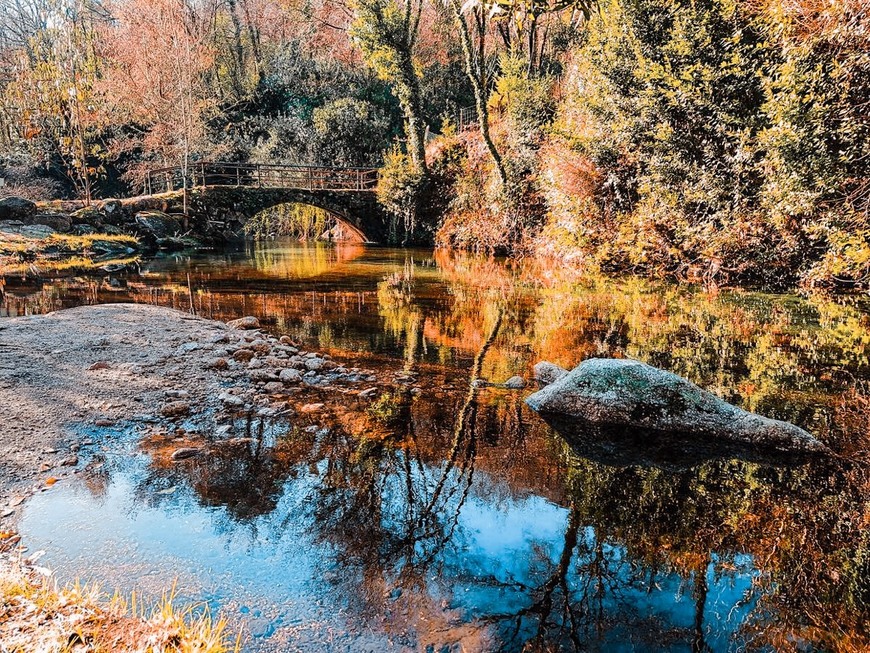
<point>350,132</point>
<point>400,187</point>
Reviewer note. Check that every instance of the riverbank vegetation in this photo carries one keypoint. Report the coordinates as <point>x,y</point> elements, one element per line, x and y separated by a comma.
<point>713,140</point>
<point>36,614</point>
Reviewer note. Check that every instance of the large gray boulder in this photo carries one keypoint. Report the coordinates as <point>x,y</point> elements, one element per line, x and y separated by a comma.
<point>632,396</point>
<point>16,208</point>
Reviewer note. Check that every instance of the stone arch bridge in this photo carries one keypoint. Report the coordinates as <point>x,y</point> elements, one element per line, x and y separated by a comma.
<point>222,197</point>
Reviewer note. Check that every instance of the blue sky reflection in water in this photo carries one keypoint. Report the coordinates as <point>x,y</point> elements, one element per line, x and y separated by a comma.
<point>400,527</point>
<point>285,578</point>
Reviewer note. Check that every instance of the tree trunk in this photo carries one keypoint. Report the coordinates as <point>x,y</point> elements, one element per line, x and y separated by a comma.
<point>475,71</point>
<point>410,98</point>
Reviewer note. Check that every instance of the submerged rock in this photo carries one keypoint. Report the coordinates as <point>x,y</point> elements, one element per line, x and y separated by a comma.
<point>627,394</point>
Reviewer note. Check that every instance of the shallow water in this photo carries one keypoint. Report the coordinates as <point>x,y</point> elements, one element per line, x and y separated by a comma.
<point>457,520</point>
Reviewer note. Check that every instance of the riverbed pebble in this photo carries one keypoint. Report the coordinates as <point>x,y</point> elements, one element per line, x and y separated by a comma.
<point>290,375</point>
<point>243,355</point>
<point>218,363</point>
<point>185,452</point>
<point>231,401</point>
<point>175,409</point>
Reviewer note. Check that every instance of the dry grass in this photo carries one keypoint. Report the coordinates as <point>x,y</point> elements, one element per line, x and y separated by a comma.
<point>38,616</point>
<point>58,251</point>
<point>12,244</point>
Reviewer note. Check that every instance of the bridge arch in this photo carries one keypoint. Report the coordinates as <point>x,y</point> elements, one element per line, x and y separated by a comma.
<point>222,197</point>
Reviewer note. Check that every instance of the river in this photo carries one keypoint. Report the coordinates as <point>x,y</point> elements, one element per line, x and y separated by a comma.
<point>447,521</point>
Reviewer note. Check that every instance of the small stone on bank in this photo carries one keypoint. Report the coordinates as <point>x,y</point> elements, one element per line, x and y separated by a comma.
<point>175,409</point>
<point>217,364</point>
<point>243,355</point>
<point>231,401</point>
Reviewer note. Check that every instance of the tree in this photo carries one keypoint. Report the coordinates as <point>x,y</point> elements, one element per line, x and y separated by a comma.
<point>161,54</point>
<point>473,40</point>
<point>55,89</point>
<point>386,31</point>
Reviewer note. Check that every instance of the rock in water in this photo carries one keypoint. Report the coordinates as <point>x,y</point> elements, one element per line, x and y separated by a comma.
<point>515,383</point>
<point>546,373</point>
<point>243,323</point>
<point>627,393</point>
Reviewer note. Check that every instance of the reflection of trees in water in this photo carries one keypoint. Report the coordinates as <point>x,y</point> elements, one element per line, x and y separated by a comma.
<point>388,497</point>
<point>388,507</point>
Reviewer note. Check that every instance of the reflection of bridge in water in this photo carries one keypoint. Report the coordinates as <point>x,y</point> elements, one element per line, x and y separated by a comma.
<point>223,196</point>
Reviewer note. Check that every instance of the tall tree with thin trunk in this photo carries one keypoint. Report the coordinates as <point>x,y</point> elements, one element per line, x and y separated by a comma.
<point>473,39</point>
<point>161,55</point>
<point>386,31</point>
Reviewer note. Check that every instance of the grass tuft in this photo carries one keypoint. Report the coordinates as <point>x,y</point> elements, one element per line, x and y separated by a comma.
<point>37,615</point>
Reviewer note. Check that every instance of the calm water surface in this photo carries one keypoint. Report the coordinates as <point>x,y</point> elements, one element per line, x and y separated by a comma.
<point>448,520</point>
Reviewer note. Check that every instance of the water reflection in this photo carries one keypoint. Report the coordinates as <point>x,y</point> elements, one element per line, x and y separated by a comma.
<point>456,517</point>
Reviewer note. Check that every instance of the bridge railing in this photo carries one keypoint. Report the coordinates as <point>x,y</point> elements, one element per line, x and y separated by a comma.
<point>261,176</point>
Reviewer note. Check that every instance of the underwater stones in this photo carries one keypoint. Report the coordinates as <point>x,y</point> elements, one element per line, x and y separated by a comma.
<point>546,373</point>
<point>627,393</point>
<point>244,323</point>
